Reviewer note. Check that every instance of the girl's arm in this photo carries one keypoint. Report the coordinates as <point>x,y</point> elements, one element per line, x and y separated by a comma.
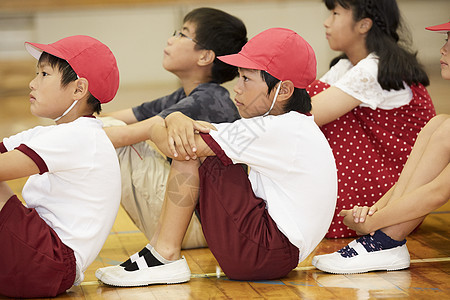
<point>413,205</point>
<point>361,212</point>
<point>15,164</point>
<point>331,104</point>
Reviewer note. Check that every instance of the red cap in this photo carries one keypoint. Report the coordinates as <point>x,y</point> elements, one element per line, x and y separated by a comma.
<point>440,28</point>
<point>89,58</point>
<point>280,52</point>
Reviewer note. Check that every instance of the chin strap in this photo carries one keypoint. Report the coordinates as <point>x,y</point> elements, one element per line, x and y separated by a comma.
<point>274,99</point>
<point>67,111</point>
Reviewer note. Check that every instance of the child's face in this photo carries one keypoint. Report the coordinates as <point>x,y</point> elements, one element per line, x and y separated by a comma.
<point>445,59</point>
<point>180,54</point>
<point>47,98</point>
<point>341,30</point>
<point>251,94</point>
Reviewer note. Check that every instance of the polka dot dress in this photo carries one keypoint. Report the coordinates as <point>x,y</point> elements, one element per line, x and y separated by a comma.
<point>371,148</point>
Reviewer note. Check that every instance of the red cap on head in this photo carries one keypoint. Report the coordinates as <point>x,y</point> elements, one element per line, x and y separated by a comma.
<point>89,58</point>
<point>440,28</point>
<point>280,52</point>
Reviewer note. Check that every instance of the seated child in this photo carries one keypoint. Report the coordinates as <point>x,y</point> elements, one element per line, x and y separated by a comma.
<point>73,193</point>
<point>190,54</point>
<point>260,224</point>
<point>422,187</point>
<point>371,104</point>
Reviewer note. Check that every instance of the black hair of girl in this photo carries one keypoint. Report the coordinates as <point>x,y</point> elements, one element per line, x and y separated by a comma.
<point>220,32</point>
<point>396,63</point>
<point>68,75</point>
<point>300,100</point>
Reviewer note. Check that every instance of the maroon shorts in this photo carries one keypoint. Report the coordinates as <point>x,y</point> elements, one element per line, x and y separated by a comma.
<point>33,260</point>
<point>240,233</point>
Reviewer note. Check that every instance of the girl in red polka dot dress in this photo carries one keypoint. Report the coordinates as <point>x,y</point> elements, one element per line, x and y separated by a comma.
<point>371,104</point>
<point>422,187</point>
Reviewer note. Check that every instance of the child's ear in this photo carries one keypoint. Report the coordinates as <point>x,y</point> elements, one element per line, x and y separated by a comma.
<point>206,58</point>
<point>286,90</point>
<point>81,89</point>
<point>365,25</point>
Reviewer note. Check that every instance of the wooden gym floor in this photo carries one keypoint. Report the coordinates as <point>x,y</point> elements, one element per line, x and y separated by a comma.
<point>427,278</point>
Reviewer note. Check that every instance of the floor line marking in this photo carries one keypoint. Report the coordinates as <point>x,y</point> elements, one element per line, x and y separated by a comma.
<point>437,259</point>
<point>305,268</point>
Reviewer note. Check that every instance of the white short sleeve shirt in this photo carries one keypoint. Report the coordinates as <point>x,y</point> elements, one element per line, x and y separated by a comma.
<point>361,82</point>
<point>291,167</point>
<point>79,196</point>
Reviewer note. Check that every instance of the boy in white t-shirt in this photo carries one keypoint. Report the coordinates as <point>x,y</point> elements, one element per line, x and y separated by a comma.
<point>73,193</point>
<point>257,225</point>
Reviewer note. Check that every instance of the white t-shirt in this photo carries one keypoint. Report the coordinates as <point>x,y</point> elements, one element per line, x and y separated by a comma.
<point>291,167</point>
<point>79,196</point>
<point>360,81</point>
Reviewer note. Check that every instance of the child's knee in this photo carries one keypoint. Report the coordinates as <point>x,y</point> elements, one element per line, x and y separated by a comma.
<point>444,129</point>
<point>441,136</point>
<point>436,122</point>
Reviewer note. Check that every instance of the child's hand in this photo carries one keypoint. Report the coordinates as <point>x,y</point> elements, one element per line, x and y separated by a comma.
<point>353,217</point>
<point>181,130</point>
<point>360,212</point>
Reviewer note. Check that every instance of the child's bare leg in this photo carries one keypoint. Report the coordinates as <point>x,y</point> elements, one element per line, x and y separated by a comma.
<point>417,169</point>
<point>414,159</point>
<point>180,201</point>
<point>400,231</point>
<point>434,159</point>
<point>5,194</point>
<point>155,235</point>
<point>162,263</point>
<point>417,204</point>
<point>433,162</point>
<point>423,186</point>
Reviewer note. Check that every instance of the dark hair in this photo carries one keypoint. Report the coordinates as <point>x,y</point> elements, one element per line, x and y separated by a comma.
<point>396,63</point>
<point>220,32</point>
<point>300,100</point>
<point>68,75</point>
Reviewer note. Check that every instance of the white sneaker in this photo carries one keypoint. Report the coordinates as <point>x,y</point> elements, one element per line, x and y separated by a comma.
<point>132,259</point>
<point>99,272</point>
<point>174,272</point>
<point>391,259</point>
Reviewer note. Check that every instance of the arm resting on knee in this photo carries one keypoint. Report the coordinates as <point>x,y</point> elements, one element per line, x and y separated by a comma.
<point>413,205</point>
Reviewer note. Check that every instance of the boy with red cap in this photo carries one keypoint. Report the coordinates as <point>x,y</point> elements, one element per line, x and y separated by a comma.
<point>73,172</point>
<point>422,187</point>
<point>261,224</point>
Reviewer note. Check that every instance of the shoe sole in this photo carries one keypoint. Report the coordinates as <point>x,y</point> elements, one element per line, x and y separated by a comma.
<point>364,270</point>
<point>402,261</point>
<point>176,280</point>
<point>146,277</point>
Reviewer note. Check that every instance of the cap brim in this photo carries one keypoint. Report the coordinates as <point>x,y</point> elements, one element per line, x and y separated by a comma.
<point>241,61</point>
<point>36,50</point>
<point>441,28</point>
